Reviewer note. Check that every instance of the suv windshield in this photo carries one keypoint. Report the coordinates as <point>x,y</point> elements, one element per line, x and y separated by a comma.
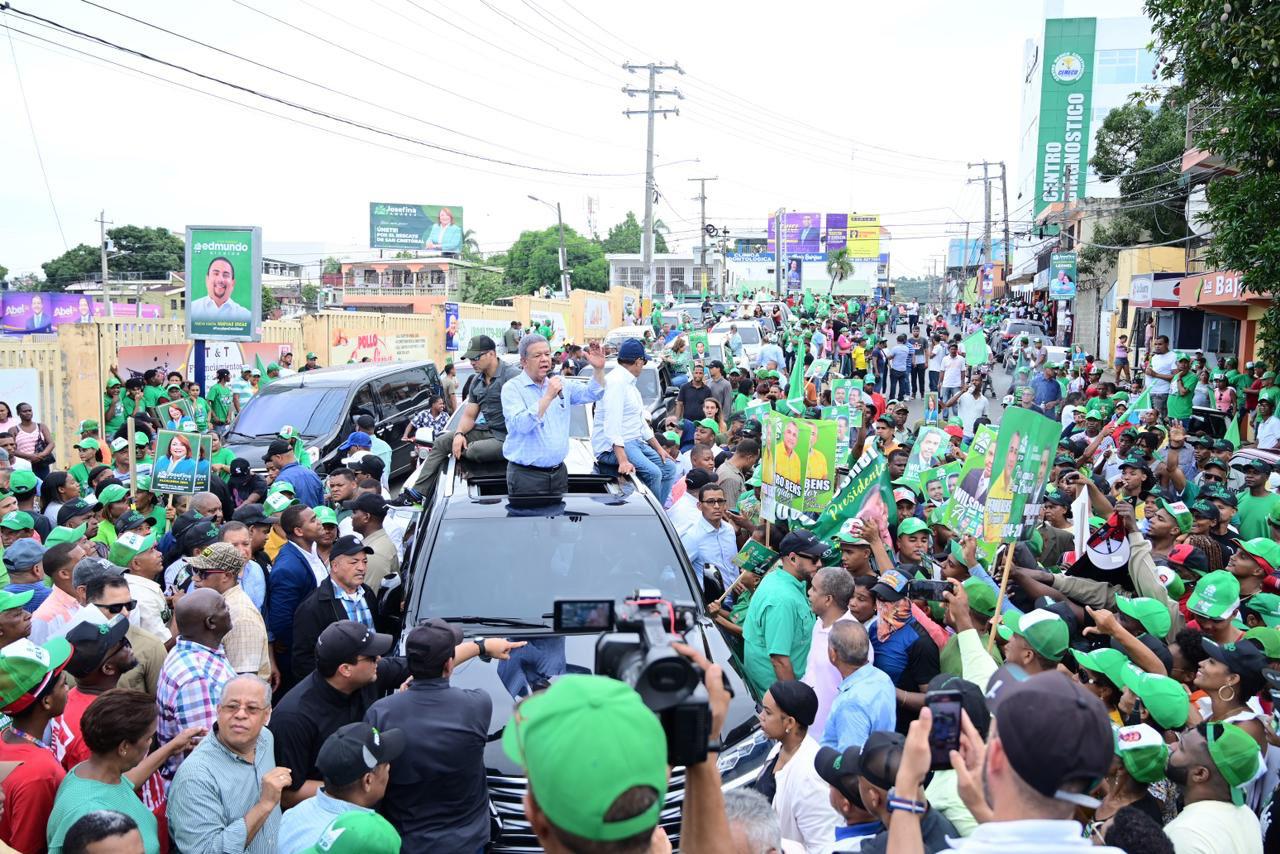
<point>544,558</point>
<point>312,410</point>
<point>647,382</point>
<point>750,334</point>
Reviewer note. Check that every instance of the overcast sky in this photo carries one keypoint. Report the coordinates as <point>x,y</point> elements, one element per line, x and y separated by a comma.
<point>875,108</point>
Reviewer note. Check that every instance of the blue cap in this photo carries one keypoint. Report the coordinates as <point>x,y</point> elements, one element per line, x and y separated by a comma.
<point>631,350</point>
<point>23,555</point>
<point>357,440</point>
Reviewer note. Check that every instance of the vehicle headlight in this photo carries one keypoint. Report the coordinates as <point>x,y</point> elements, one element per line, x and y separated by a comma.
<point>743,756</point>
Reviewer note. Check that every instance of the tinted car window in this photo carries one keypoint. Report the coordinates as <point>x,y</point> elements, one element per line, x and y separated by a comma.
<point>312,410</point>
<point>402,392</point>
<point>647,383</point>
<point>544,558</point>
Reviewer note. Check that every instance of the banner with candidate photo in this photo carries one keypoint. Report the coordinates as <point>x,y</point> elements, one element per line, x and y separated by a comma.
<point>939,483</point>
<point>1019,469</point>
<point>865,493</point>
<point>963,513</point>
<point>451,327</point>
<point>175,415</point>
<point>224,282</point>
<point>182,462</point>
<point>929,448</point>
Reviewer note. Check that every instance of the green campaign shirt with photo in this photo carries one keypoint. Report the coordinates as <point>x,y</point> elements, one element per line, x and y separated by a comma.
<point>220,403</point>
<point>1180,404</point>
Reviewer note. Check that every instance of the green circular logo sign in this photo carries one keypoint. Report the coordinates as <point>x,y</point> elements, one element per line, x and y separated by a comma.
<point>1067,68</point>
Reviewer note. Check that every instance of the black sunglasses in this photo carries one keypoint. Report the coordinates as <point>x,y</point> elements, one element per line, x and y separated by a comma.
<point>117,607</point>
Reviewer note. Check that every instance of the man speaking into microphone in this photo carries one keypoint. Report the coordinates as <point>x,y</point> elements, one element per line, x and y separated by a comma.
<point>536,409</point>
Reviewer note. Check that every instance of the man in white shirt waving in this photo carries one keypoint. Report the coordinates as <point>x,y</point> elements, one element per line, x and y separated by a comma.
<point>622,435</point>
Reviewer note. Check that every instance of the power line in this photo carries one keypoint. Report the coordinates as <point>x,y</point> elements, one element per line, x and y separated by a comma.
<point>313,111</point>
<point>35,139</point>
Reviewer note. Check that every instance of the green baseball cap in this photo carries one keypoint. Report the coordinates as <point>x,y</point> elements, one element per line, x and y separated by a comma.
<point>709,424</point>
<point>282,486</point>
<point>22,482</point>
<point>1180,512</point>
<point>938,516</point>
<point>278,502</point>
<point>1216,595</point>
<point>113,382</point>
<point>325,515</point>
<point>312,356</point>
<point>87,445</point>
<point>1265,551</point>
<point>1105,660</point>
<point>1266,637</point>
<point>583,742</point>
<point>912,525</point>
<point>63,534</point>
<point>129,545</point>
<point>982,596</point>
<point>142,482</point>
<point>1166,699</point>
<point>672,436</point>
<point>17,520</point>
<point>288,431</point>
<point>1236,756</point>
<point>1044,631</point>
<point>357,832</point>
<point>25,668</point>
<point>757,478</point>
<point>111,493</point>
<point>272,367</point>
<point>141,440</point>
<point>1266,606</point>
<point>10,600</point>
<point>1152,613</point>
<point>1143,752</point>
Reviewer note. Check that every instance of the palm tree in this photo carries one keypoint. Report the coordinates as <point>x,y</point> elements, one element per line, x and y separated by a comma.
<point>839,268</point>
<point>470,246</point>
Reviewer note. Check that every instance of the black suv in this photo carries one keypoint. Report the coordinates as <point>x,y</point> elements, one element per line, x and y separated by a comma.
<point>322,405</point>
<point>494,570</point>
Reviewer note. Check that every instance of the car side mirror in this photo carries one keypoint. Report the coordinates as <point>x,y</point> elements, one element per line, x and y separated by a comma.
<point>671,391</point>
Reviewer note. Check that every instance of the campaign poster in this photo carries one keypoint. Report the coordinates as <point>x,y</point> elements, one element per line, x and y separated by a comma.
<point>964,507</point>
<point>698,347</point>
<point>755,557</point>
<point>819,368</point>
<point>1062,275</point>
<point>224,282</point>
<point>434,228</point>
<point>840,416</point>
<point>843,393</point>
<point>770,434</point>
<point>175,415</point>
<point>794,273</point>
<point>451,327</point>
<point>837,231</point>
<point>820,463</point>
<point>36,312</point>
<point>938,483</point>
<point>930,447</point>
<point>182,462</point>
<point>1020,460</point>
<point>861,495</point>
<point>931,411</point>
<point>790,446</point>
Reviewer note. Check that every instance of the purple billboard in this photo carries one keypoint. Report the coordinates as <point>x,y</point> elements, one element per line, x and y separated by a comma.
<point>28,313</point>
<point>801,232</point>
<point>837,231</point>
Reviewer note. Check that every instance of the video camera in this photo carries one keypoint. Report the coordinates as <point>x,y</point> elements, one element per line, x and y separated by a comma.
<point>636,649</point>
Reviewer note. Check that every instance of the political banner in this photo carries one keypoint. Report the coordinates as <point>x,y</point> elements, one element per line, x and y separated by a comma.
<point>377,348</point>
<point>175,415</point>
<point>963,512</point>
<point>819,467</point>
<point>755,557</point>
<point>224,282</point>
<point>938,483</point>
<point>1066,111</point>
<point>840,416</point>
<point>451,327</point>
<point>843,392</point>
<point>28,313</point>
<point>182,462</point>
<point>819,368</point>
<point>976,351</point>
<point>1018,465</point>
<point>436,228</point>
<point>864,236</point>
<point>698,348</point>
<point>135,361</point>
<point>864,494</point>
<point>1062,275</point>
<point>930,446</point>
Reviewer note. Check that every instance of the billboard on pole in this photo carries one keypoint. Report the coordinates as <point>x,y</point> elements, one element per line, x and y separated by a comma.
<point>1066,102</point>
<point>224,282</point>
<point>436,228</point>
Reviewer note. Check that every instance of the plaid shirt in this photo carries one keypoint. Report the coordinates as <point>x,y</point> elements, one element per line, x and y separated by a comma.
<point>246,644</point>
<point>357,608</point>
<point>188,692</point>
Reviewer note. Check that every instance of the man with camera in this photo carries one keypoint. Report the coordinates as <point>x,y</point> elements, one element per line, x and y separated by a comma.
<point>779,625</point>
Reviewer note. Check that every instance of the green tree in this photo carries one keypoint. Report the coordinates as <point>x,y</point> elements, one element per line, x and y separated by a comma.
<point>4,272</point>
<point>484,287</point>
<point>839,268</point>
<point>533,261</point>
<point>1227,57</point>
<point>269,303</point>
<point>471,246</point>
<point>404,254</point>
<point>330,266</point>
<point>153,253</point>
<point>627,236</point>
<point>310,296</point>
<point>1139,149</point>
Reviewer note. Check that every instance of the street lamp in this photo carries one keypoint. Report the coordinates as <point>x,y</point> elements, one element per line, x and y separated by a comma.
<point>564,258</point>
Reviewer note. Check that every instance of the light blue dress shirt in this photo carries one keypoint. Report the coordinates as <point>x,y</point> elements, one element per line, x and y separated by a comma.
<point>865,702</point>
<point>540,440</point>
<point>705,544</point>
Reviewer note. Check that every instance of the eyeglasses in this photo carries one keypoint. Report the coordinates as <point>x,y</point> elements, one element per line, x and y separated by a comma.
<point>251,709</point>
<point>205,573</point>
<point>117,607</point>
<point>1213,477</point>
<point>714,501</point>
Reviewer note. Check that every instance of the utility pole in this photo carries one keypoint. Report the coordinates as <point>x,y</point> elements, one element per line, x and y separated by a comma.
<point>103,222</point>
<point>1004,195</point>
<point>701,198</point>
<point>650,189</point>
<point>565,274</point>
<point>986,217</point>
<point>779,252</point>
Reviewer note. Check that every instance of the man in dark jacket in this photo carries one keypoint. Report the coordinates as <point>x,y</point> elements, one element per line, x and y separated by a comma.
<point>294,575</point>
<point>341,596</point>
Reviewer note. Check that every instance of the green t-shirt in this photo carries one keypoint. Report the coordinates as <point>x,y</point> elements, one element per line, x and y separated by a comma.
<point>78,796</point>
<point>1251,517</point>
<point>115,413</point>
<point>882,316</point>
<point>779,622</point>
<point>159,521</point>
<point>1239,380</point>
<point>1271,393</point>
<point>1180,404</point>
<point>80,472</point>
<point>151,395</point>
<point>200,412</point>
<point>950,661</point>
<point>220,403</point>
<point>223,457</point>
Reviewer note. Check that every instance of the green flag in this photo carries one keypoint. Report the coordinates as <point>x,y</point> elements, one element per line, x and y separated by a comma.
<point>795,385</point>
<point>975,350</point>
<point>262,369</point>
<point>865,493</point>
<point>1143,403</point>
<point>1233,433</point>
